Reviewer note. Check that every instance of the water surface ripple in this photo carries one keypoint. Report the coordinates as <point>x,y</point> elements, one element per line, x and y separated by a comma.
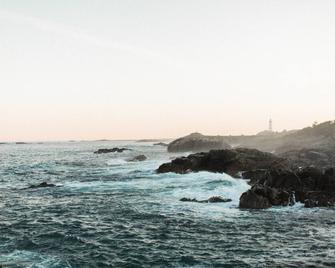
<point>112,213</point>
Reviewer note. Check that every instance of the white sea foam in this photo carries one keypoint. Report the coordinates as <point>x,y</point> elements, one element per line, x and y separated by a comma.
<point>29,259</point>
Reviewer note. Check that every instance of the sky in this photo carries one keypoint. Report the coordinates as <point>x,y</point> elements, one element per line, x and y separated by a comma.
<point>96,69</point>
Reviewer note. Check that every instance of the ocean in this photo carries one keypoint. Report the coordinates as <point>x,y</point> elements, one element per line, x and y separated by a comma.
<point>108,212</point>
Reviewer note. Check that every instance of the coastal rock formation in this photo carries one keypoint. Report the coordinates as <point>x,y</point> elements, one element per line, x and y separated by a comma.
<point>113,150</point>
<point>213,199</point>
<point>275,181</point>
<point>309,185</point>
<point>318,137</point>
<point>228,161</point>
<point>197,142</point>
<point>138,158</point>
<point>260,197</point>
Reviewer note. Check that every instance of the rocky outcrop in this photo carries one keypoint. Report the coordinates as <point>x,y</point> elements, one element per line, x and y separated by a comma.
<point>197,142</point>
<point>318,137</point>
<point>280,186</point>
<point>254,175</point>
<point>213,199</point>
<point>260,197</point>
<point>228,161</point>
<point>113,150</point>
<point>138,158</point>
<point>275,182</point>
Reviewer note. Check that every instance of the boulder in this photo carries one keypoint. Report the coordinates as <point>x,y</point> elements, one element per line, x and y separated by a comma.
<point>260,197</point>
<point>252,200</point>
<point>113,150</point>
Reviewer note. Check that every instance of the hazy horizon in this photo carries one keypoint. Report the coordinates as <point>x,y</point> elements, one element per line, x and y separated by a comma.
<point>121,70</point>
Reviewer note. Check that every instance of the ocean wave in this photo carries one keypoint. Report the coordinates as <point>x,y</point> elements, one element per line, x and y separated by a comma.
<point>29,259</point>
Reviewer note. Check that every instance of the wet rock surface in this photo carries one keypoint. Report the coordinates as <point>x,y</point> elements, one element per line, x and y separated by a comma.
<point>213,199</point>
<point>310,186</point>
<point>113,150</point>
<point>224,161</point>
<point>42,185</point>
<point>138,158</point>
<point>275,180</point>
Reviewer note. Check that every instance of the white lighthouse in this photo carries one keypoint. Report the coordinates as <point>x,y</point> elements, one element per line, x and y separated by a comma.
<point>270,125</point>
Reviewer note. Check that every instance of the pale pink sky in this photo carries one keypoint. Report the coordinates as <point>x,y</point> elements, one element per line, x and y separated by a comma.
<point>152,69</point>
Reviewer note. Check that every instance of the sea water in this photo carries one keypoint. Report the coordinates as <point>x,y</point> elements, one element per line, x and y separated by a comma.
<point>108,212</point>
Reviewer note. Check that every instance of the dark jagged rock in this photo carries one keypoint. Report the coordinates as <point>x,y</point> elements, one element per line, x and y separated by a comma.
<point>197,142</point>
<point>227,161</point>
<point>217,199</point>
<point>161,144</point>
<point>250,199</point>
<point>254,175</point>
<point>282,178</point>
<point>138,158</point>
<point>309,185</point>
<point>41,185</point>
<point>213,199</point>
<point>185,199</point>
<point>113,150</point>
<point>260,197</point>
<point>319,199</point>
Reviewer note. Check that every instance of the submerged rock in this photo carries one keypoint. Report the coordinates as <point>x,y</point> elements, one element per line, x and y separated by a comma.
<point>228,161</point>
<point>161,144</point>
<point>197,142</point>
<point>138,158</point>
<point>41,185</point>
<point>213,199</point>
<point>217,199</point>
<point>113,150</point>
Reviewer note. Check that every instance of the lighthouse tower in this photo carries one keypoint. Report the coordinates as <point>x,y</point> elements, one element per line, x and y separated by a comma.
<point>270,125</point>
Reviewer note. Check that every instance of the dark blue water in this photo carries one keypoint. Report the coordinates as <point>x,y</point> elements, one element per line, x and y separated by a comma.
<point>108,212</point>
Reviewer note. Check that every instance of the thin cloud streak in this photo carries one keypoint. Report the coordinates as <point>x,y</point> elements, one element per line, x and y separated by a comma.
<point>71,32</point>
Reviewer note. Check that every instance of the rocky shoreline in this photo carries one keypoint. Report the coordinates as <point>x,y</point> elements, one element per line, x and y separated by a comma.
<point>275,181</point>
